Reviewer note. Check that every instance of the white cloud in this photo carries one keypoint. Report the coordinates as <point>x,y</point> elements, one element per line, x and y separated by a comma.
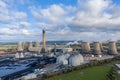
<point>88,20</point>
<point>52,14</point>
<point>24,24</point>
<point>20,15</point>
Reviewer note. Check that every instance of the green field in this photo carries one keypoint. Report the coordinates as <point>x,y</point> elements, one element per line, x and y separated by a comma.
<point>93,73</point>
<point>7,47</point>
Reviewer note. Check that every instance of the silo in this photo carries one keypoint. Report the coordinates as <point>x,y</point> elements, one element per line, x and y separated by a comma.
<point>97,48</point>
<point>85,47</point>
<point>37,44</point>
<point>112,49</point>
<point>20,47</point>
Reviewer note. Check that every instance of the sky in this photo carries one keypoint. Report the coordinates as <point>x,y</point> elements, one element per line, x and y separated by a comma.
<point>87,20</point>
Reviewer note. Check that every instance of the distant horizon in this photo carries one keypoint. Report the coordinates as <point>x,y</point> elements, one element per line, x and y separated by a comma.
<point>15,42</point>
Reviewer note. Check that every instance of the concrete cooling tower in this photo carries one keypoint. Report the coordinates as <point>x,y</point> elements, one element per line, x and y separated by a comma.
<point>20,46</point>
<point>37,44</point>
<point>112,49</point>
<point>30,46</point>
<point>97,48</point>
<point>85,47</point>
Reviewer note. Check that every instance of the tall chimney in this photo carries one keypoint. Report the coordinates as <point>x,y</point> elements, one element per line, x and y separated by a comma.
<point>112,49</point>
<point>85,47</point>
<point>44,39</point>
<point>97,48</point>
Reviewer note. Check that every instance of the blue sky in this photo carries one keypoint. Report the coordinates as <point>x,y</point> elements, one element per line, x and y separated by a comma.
<point>87,20</point>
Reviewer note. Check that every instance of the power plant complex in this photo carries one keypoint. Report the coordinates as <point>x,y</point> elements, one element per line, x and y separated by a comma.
<point>48,58</point>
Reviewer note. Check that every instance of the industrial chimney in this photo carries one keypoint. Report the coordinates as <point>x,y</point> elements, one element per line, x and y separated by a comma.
<point>44,41</point>
<point>112,49</point>
<point>97,48</point>
<point>85,47</point>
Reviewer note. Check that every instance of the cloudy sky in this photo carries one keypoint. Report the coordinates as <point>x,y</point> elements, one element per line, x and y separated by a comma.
<point>88,20</point>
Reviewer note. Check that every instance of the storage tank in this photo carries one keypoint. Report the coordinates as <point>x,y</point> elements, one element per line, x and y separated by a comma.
<point>76,60</point>
<point>63,59</point>
<point>112,49</point>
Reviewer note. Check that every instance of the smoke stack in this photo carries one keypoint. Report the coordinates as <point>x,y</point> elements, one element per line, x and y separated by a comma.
<point>97,48</point>
<point>20,47</point>
<point>37,44</point>
<point>44,39</point>
<point>85,47</point>
<point>112,49</point>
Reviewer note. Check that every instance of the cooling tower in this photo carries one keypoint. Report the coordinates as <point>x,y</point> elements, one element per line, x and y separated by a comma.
<point>112,49</point>
<point>85,47</point>
<point>97,48</point>
<point>37,44</point>
<point>30,45</point>
<point>20,47</point>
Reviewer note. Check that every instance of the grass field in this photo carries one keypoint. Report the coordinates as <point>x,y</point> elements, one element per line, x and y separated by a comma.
<point>93,73</point>
<point>6,47</point>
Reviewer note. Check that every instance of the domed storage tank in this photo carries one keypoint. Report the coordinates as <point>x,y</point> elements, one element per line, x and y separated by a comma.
<point>63,59</point>
<point>76,60</point>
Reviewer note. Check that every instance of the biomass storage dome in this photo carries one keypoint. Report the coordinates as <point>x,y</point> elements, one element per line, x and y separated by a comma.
<point>63,59</point>
<point>76,60</point>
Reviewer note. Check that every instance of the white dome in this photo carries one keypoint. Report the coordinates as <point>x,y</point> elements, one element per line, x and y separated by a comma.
<point>63,59</point>
<point>21,55</point>
<point>76,60</point>
<point>17,55</point>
